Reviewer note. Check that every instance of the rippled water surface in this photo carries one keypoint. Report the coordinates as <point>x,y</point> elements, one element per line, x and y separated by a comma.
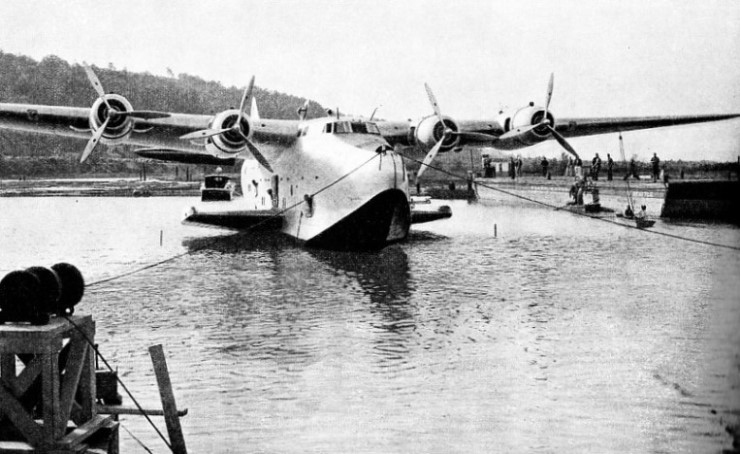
<point>560,334</point>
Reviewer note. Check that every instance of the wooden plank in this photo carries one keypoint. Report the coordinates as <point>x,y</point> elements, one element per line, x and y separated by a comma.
<point>30,344</point>
<point>86,430</point>
<point>168,400</point>
<point>7,365</point>
<point>27,377</point>
<point>120,410</point>
<point>15,447</point>
<point>71,378</point>
<point>50,396</point>
<point>87,388</point>
<point>22,421</point>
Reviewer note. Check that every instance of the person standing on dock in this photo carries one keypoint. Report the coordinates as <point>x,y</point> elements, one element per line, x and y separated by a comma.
<point>512,170</point>
<point>545,165</point>
<point>519,164</point>
<point>596,167</point>
<point>609,167</point>
<point>664,176</point>
<point>578,167</point>
<point>656,166</point>
<point>633,170</point>
<point>642,214</point>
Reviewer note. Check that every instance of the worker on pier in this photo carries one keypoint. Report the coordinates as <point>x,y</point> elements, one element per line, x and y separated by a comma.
<point>609,167</point>
<point>656,166</point>
<point>595,167</point>
<point>664,176</point>
<point>628,213</point>
<point>633,170</point>
<point>545,165</point>
<point>519,164</point>
<point>569,167</point>
<point>578,167</point>
<point>512,168</point>
<point>642,214</point>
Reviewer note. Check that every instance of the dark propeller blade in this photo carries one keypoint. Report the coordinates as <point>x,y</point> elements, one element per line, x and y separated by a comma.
<point>94,140</point>
<point>561,140</point>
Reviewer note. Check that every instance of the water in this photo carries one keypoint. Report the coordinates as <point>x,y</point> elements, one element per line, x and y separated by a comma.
<point>563,334</point>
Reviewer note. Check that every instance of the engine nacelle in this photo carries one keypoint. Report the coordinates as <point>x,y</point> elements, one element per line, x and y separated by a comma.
<point>119,127</point>
<point>430,130</point>
<point>521,120</point>
<point>230,142</point>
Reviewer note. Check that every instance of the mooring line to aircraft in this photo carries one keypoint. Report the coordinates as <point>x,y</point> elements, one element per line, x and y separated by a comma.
<point>277,214</point>
<point>555,207</point>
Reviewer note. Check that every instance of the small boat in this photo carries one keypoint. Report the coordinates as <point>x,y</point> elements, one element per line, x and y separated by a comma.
<point>590,208</point>
<point>643,223</point>
<point>216,187</point>
<point>641,219</point>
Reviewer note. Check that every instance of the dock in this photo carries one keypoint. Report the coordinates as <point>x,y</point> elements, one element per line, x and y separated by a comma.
<point>679,199</point>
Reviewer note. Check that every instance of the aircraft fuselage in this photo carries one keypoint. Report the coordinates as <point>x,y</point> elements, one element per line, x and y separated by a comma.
<point>333,189</point>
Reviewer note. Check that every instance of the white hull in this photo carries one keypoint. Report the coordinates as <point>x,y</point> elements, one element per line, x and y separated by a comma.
<point>345,198</point>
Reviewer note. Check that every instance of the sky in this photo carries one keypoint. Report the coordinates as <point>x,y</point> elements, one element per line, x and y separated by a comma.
<point>610,58</point>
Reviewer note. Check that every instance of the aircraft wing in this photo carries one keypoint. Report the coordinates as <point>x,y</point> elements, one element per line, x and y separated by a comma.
<point>578,127</point>
<point>491,133</point>
<point>160,137</point>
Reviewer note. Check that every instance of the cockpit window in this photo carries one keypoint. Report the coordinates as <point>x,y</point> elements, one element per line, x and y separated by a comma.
<point>372,128</point>
<point>342,127</point>
<point>359,128</point>
<point>328,128</point>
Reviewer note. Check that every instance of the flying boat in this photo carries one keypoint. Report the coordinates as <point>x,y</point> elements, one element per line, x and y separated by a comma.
<point>336,182</point>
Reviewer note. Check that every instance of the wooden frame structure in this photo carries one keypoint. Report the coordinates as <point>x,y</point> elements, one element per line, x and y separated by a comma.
<point>47,389</point>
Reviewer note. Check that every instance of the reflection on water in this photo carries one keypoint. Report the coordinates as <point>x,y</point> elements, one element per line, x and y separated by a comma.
<point>560,334</point>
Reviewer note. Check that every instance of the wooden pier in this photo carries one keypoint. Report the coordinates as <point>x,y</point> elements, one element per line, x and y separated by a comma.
<point>48,390</point>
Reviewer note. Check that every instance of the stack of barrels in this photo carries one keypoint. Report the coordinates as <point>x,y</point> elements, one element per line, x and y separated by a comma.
<point>35,294</point>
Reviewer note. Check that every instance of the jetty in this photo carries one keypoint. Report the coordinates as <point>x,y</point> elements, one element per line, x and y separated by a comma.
<point>53,396</point>
<point>678,199</point>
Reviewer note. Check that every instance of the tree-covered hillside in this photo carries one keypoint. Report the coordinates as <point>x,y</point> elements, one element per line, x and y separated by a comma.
<point>53,81</point>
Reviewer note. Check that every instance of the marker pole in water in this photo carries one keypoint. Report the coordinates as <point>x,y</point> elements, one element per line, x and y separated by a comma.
<point>171,417</point>
<point>161,233</point>
<point>495,231</point>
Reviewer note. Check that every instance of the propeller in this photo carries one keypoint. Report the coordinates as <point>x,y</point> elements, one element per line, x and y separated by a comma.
<point>303,111</point>
<point>448,132</point>
<point>237,127</point>
<point>546,121</point>
<point>110,113</point>
<point>549,95</point>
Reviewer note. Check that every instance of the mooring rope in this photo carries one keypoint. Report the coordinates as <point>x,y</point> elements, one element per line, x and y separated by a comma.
<point>252,227</point>
<point>549,205</point>
<point>141,443</point>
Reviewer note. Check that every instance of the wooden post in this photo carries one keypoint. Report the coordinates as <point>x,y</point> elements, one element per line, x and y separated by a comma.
<point>168,400</point>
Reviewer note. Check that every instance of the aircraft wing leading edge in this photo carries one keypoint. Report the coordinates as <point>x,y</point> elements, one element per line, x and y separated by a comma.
<point>579,127</point>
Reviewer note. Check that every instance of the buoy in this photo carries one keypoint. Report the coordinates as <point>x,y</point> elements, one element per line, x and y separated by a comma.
<point>50,288</point>
<point>73,287</point>
<point>21,300</point>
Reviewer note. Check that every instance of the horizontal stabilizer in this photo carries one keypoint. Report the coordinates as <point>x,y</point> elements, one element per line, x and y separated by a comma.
<point>186,157</point>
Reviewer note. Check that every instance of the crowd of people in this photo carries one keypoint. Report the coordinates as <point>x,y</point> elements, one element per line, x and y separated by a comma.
<point>574,168</point>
